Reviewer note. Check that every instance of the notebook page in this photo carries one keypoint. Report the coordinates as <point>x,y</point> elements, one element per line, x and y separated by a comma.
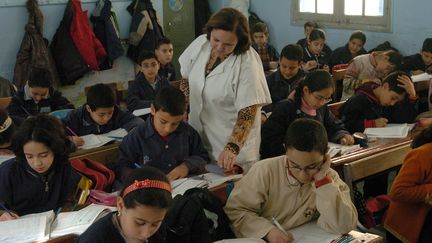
<point>141,112</point>
<point>311,233</point>
<point>118,133</point>
<point>90,141</point>
<point>188,184</point>
<point>389,131</point>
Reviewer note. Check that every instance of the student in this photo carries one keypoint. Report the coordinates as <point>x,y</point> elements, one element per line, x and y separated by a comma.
<point>143,89</point>
<point>164,141</point>
<point>142,206</point>
<point>354,47</point>
<point>37,96</point>
<point>294,189</point>
<point>99,115</point>
<point>309,100</point>
<point>313,55</point>
<point>164,53</point>
<point>7,129</point>
<point>268,54</point>
<point>286,78</point>
<point>409,217</point>
<point>40,178</point>
<point>308,27</point>
<point>369,67</point>
<point>421,62</point>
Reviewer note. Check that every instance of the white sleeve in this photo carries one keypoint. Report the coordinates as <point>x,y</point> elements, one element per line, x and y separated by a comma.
<point>190,54</point>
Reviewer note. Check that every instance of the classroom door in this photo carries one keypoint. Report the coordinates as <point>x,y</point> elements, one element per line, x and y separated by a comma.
<point>179,26</point>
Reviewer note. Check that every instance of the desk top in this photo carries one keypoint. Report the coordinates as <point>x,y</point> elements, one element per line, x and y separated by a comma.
<point>104,154</point>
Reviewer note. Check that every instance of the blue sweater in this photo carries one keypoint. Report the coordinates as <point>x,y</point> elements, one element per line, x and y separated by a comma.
<point>141,94</point>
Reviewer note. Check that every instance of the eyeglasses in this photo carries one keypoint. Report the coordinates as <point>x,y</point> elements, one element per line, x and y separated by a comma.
<point>321,98</point>
<point>308,169</point>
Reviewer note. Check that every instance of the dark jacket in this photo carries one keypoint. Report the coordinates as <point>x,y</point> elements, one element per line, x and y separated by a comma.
<point>280,87</point>
<point>144,146</point>
<point>322,59</point>
<point>80,122</point>
<point>272,54</point>
<point>326,48</point>
<point>363,107</point>
<point>414,62</point>
<point>342,55</point>
<point>168,72</point>
<point>274,129</point>
<point>23,105</point>
<point>24,191</point>
<point>141,94</point>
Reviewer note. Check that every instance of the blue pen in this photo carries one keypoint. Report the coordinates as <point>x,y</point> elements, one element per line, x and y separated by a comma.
<point>137,165</point>
<point>5,209</point>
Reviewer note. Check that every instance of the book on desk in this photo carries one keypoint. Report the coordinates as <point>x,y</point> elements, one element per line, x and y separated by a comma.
<point>95,141</point>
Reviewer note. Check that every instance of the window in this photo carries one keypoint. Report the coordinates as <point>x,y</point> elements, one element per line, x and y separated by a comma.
<point>372,15</point>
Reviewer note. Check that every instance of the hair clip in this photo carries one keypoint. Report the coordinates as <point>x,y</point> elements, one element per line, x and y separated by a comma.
<point>147,184</point>
<point>7,123</point>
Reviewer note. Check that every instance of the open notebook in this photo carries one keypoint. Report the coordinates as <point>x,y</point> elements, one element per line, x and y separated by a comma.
<point>37,227</point>
<point>389,131</point>
<point>94,141</point>
<point>338,149</point>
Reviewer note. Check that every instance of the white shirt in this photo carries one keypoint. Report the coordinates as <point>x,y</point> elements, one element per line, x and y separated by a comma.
<point>238,82</point>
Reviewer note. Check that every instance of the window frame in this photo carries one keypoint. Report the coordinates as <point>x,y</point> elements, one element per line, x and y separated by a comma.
<point>341,21</point>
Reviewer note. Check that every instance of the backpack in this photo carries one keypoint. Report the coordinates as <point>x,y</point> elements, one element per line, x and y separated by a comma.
<point>99,174</point>
<point>197,217</point>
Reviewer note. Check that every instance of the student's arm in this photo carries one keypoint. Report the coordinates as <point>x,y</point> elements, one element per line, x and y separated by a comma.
<point>335,127</point>
<point>407,110</point>
<point>353,114</point>
<point>17,108</point>
<point>6,194</point>
<point>128,121</point>
<point>135,98</point>
<point>350,81</point>
<point>128,156</point>
<point>198,156</point>
<point>59,102</point>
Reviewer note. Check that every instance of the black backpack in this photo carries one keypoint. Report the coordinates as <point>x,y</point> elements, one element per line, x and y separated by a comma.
<point>197,217</point>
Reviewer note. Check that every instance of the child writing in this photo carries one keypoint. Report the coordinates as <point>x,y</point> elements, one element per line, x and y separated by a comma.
<point>268,54</point>
<point>37,96</point>
<point>313,56</point>
<point>40,178</point>
<point>420,62</point>
<point>354,47</point>
<point>369,67</point>
<point>309,100</point>
<point>164,141</point>
<point>411,195</point>
<point>142,206</point>
<point>147,83</point>
<point>294,189</point>
<point>164,54</point>
<point>99,115</point>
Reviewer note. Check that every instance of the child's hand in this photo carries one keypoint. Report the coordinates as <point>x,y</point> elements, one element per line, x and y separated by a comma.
<point>347,140</point>
<point>277,236</point>
<point>323,168</point>
<point>381,122</point>
<point>273,65</point>
<point>180,171</point>
<point>326,68</point>
<point>78,141</point>
<point>310,65</point>
<point>406,83</point>
<point>8,216</point>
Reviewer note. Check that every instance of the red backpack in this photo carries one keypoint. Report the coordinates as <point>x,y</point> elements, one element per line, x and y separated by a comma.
<point>99,174</point>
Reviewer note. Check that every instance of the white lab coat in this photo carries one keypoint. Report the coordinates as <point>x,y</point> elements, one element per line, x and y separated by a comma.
<point>215,100</point>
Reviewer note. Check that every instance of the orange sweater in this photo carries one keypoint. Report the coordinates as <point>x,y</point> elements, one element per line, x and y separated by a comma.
<point>408,210</point>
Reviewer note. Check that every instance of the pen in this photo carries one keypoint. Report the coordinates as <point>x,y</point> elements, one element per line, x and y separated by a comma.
<point>137,165</point>
<point>5,209</point>
<point>71,131</point>
<point>54,219</point>
<point>276,223</point>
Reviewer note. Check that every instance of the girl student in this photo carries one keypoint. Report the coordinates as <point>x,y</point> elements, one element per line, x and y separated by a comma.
<point>353,48</point>
<point>40,177</point>
<point>314,57</point>
<point>142,205</point>
<point>309,100</point>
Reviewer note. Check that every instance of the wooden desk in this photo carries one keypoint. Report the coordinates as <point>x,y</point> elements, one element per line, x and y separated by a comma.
<point>105,154</point>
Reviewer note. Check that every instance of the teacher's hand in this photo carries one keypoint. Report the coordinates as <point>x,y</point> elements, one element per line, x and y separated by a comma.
<point>226,159</point>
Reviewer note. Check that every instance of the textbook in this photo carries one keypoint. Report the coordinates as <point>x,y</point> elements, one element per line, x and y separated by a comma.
<point>339,149</point>
<point>94,141</point>
<point>421,77</point>
<point>40,226</point>
<point>389,131</point>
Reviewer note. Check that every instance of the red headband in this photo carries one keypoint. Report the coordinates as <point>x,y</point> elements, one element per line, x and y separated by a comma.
<point>147,184</point>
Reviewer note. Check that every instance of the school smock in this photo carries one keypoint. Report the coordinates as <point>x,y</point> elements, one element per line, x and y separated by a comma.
<point>238,82</point>
<point>141,93</point>
<point>268,190</point>
<point>25,191</point>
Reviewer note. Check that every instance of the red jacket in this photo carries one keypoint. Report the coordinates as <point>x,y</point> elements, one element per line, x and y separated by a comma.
<point>90,48</point>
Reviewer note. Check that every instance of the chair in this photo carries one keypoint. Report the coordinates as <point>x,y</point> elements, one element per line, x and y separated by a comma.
<point>338,76</point>
<point>4,102</point>
<point>334,108</point>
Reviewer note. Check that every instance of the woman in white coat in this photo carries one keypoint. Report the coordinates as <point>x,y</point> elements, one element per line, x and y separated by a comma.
<point>226,86</point>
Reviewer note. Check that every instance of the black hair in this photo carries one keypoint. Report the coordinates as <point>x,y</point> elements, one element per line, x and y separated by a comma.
<point>292,52</point>
<point>317,34</point>
<point>393,83</point>
<point>260,27</point>
<point>427,45</point>
<point>6,135</point>
<point>153,197</point>
<point>307,135</point>
<point>171,100</point>
<point>395,58</point>
<point>162,41</point>
<point>359,35</point>
<point>315,81</point>
<point>45,129</point>
<point>40,77</point>
<point>310,24</point>
<point>145,55</point>
<point>100,96</point>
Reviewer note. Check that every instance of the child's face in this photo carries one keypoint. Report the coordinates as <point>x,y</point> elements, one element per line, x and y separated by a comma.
<point>289,68</point>
<point>38,93</point>
<point>150,68</point>
<point>164,123</point>
<point>317,99</point>
<point>164,53</point>
<point>260,38</point>
<point>304,165</point>
<point>140,223</point>
<point>38,156</point>
<point>316,46</point>
<point>354,46</point>
<point>389,97</point>
<point>101,115</point>
<point>384,66</point>
<point>426,57</point>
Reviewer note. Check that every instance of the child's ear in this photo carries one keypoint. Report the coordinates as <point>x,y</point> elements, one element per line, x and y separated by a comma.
<point>306,90</point>
<point>385,86</point>
<point>120,204</point>
<point>88,109</point>
<point>152,109</point>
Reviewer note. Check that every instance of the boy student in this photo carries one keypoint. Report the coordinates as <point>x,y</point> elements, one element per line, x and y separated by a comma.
<point>292,190</point>
<point>268,54</point>
<point>286,78</point>
<point>99,115</point>
<point>369,67</point>
<point>147,83</point>
<point>308,27</point>
<point>37,96</point>
<point>164,53</point>
<point>164,141</point>
<point>420,62</point>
